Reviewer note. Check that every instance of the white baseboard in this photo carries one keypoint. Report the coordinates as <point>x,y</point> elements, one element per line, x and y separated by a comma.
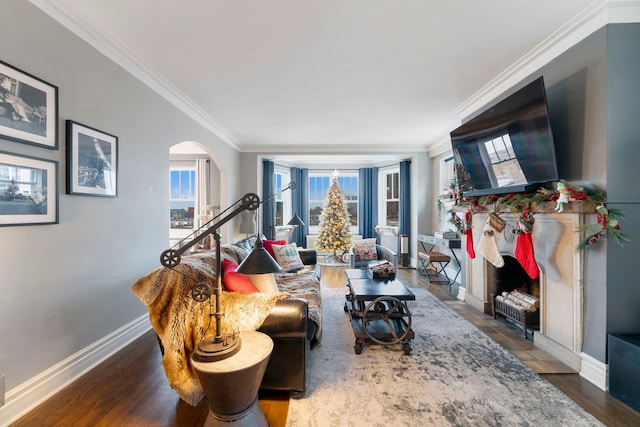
<point>462,292</point>
<point>594,371</point>
<point>31,393</point>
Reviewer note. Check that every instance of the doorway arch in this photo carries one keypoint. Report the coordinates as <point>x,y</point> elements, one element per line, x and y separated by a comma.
<point>204,190</point>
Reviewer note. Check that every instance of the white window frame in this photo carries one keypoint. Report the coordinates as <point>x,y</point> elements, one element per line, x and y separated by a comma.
<point>285,196</point>
<point>447,176</point>
<point>382,195</point>
<point>183,165</point>
<point>353,229</point>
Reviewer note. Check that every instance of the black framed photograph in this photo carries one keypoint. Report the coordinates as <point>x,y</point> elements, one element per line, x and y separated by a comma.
<point>28,190</point>
<point>92,161</point>
<point>28,108</point>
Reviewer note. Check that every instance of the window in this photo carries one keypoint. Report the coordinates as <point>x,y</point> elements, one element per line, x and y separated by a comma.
<point>448,180</point>
<point>390,200</point>
<point>281,178</point>
<point>18,183</point>
<point>183,196</point>
<point>319,184</point>
<point>504,164</point>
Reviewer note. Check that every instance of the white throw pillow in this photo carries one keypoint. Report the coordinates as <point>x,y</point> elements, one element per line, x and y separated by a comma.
<point>288,257</point>
<point>265,283</point>
<point>365,249</point>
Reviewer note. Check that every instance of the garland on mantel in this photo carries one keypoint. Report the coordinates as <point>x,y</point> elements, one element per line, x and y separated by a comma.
<point>562,192</point>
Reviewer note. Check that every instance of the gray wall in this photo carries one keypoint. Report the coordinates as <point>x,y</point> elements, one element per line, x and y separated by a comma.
<point>576,85</point>
<point>65,286</point>
<point>594,102</point>
<point>623,175</point>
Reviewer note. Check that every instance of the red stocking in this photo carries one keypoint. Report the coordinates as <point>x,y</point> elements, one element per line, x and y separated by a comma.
<point>468,232</point>
<point>524,248</point>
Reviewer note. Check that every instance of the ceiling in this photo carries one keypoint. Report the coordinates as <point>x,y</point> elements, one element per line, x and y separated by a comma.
<point>331,76</point>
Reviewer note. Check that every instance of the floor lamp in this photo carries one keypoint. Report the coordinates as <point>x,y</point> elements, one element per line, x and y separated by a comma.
<point>230,367</point>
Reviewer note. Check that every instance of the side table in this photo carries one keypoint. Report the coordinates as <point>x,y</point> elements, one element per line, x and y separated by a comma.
<point>231,385</point>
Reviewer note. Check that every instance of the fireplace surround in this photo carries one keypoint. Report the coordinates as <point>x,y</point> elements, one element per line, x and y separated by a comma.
<point>561,279</point>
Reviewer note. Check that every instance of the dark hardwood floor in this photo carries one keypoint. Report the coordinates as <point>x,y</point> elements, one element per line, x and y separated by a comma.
<point>130,389</point>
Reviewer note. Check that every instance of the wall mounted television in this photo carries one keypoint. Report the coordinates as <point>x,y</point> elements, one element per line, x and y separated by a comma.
<point>508,148</point>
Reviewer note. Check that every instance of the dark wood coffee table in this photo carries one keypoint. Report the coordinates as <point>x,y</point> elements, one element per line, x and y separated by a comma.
<point>378,311</point>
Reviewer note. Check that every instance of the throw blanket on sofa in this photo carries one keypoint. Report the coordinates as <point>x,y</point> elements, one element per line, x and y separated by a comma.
<point>181,322</point>
<point>305,284</point>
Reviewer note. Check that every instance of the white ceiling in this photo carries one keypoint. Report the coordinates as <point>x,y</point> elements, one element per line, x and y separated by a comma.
<point>295,76</point>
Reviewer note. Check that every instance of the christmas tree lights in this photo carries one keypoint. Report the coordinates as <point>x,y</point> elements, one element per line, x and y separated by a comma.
<point>334,236</point>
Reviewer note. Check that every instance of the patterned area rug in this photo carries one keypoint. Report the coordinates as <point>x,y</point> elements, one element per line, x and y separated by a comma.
<point>455,376</point>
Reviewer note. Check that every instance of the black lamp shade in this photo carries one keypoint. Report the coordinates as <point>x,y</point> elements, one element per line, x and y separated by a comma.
<point>295,220</point>
<point>259,261</point>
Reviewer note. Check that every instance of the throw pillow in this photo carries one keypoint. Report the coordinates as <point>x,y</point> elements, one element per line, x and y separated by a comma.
<point>265,283</point>
<point>236,282</point>
<point>268,245</point>
<point>287,256</point>
<point>365,249</point>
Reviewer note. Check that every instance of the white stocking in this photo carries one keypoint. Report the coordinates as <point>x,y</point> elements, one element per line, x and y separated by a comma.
<point>488,247</point>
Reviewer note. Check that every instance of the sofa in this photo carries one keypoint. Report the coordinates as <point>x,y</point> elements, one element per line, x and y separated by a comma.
<point>382,253</point>
<point>292,317</point>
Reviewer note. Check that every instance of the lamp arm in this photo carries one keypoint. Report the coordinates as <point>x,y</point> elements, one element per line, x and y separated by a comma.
<point>171,257</point>
<point>250,201</point>
<point>290,186</point>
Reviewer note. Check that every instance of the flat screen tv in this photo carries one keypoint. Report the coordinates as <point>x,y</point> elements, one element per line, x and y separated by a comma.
<point>508,148</point>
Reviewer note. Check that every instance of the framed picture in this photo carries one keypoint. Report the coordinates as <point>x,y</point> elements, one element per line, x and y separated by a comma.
<point>28,108</point>
<point>92,161</point>
<point>28,190</point>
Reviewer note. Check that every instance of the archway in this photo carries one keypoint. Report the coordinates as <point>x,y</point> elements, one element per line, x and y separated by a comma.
<point>197,188</point>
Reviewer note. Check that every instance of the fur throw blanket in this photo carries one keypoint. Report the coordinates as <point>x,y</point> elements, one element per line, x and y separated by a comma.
<point>181,322</point>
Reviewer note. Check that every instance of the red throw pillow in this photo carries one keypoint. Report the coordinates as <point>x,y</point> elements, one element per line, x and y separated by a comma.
<point>236,282</point>
<point>228,266</point>
<point>268,245</point>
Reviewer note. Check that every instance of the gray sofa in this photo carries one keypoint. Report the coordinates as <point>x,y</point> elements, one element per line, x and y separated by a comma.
<point>383,254</point>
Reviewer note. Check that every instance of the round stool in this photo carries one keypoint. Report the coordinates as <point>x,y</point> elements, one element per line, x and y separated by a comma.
<point>231,385</point>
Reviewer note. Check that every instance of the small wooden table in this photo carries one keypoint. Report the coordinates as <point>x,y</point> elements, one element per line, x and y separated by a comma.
<point>432,241</point>
<point>378,310</point>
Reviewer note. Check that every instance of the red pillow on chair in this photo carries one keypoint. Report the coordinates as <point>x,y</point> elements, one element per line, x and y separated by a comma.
<point>268,245</point>
<point>235,282</point>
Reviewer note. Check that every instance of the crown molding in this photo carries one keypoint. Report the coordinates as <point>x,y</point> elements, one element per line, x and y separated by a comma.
<point>594,17</point>
<point>333,148</point>
<point>440,147</point>
<point>88,29</point>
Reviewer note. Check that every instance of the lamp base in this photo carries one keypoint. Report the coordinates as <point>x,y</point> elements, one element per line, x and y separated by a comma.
<point>214,349</point>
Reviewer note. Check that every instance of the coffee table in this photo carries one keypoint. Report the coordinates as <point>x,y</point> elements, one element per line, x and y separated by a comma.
<point>378,311</point>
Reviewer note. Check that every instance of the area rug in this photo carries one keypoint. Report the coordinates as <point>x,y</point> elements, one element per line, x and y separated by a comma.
<point>455,376</point>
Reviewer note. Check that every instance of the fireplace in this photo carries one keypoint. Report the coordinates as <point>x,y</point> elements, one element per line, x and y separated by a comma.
<point>559,286</point>
<point>511,277</point>
<point>514,296</point>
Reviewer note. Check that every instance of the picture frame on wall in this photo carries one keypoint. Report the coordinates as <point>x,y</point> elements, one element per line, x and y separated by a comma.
<point>92,161</point>
<point>28,108</point>
<point>28,190</point>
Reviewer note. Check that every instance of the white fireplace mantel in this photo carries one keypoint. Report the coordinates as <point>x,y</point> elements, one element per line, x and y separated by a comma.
<point>561,279</point>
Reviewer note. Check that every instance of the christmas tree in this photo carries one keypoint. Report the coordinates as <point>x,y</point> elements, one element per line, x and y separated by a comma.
<point>334,233</point>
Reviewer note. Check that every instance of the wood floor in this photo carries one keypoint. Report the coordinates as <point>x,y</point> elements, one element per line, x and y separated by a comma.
<point>130,389</point>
